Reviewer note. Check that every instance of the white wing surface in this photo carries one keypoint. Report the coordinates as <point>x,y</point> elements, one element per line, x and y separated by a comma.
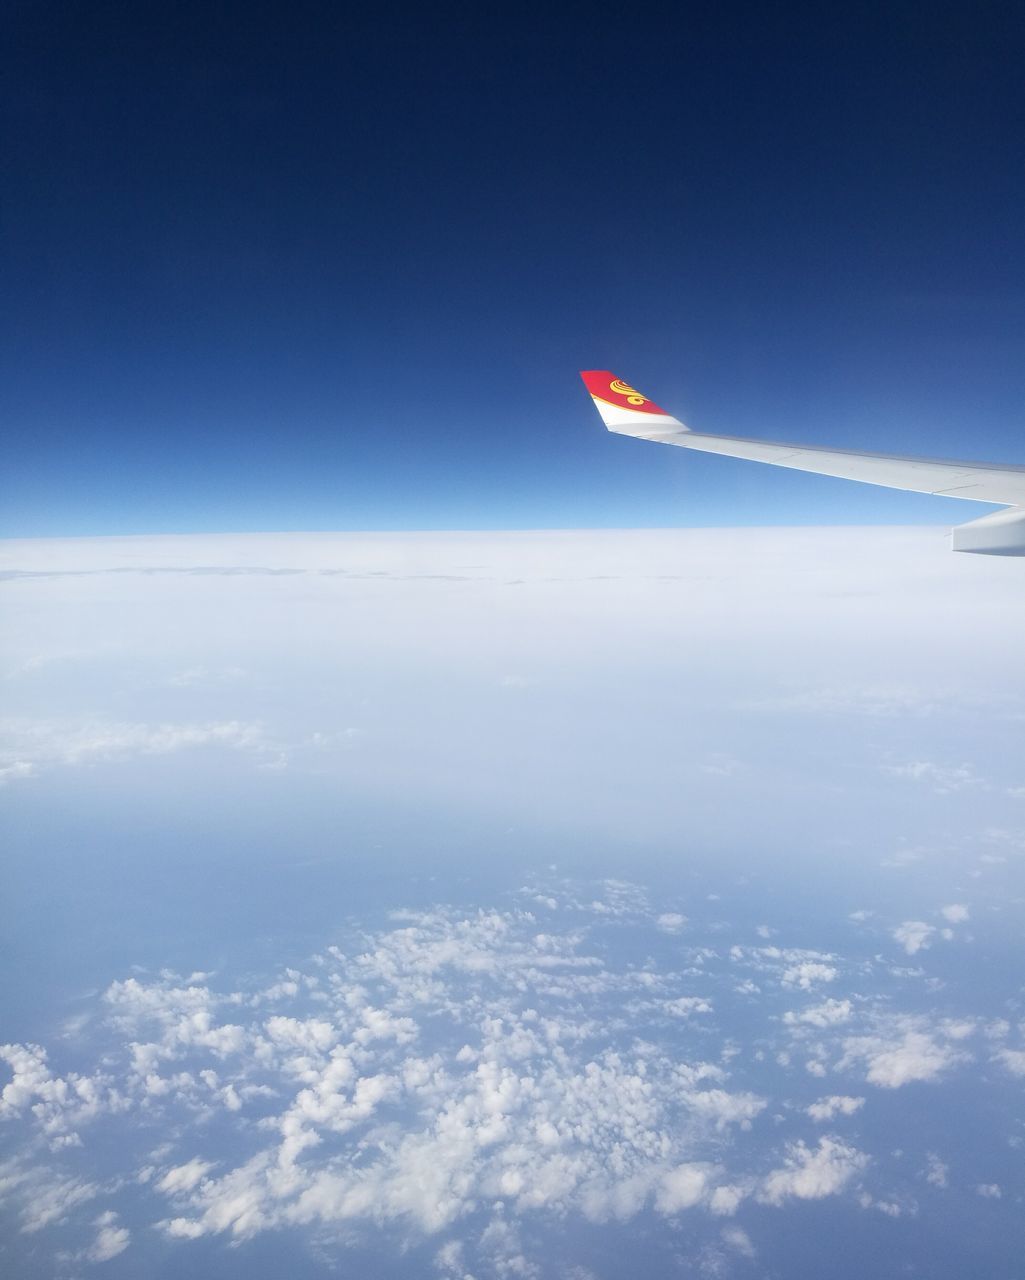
<point>627,412</point>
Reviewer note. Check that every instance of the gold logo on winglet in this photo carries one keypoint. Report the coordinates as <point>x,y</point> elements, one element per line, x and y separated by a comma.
<point>622,389</point>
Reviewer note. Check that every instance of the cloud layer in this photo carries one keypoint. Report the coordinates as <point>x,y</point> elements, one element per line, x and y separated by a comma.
<point>457,1073</point>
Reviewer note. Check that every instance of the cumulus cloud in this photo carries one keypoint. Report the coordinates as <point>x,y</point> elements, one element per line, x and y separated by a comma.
<point>955,913</point>
<point>791,966</point>
<point>682,1188</point>
<point>807,973</point>
<point>837,1105</point>
<point>914,936</point>
<point>463,1066</point>
<point>903,1051</point>
<point>829,1013</point>
<point>1012,1059</point>
<point>451,1063</point>
<point>811,1173</point>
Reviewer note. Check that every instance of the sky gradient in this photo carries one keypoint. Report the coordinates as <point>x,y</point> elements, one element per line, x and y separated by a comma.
<point>335,271</point>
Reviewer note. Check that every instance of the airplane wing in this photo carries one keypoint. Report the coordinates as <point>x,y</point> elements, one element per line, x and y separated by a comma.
<point>629,413</point>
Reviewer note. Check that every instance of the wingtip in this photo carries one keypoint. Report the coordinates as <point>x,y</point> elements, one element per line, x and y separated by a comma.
<point>621,406</point>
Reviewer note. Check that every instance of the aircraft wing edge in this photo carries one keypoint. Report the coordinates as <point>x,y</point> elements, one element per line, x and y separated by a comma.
<point>626,412</point>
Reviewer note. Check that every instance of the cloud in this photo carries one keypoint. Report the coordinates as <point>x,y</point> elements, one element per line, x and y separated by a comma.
<point>908,1052</point>
<point>671,922</point>
<point>453,1063</point>
<point>684,1006</point>
<point>944,779</point>
<point>46,1197</point>
<point>682,1188</point>
<point>914,936</point>
<point>737,1239</point>
<point>811,1173</point>
<point>829,1108</point>
<point>936,1172</point>
<point>806,974</point>
<point>1012,1059</point>
<point>58,1104</point>
<point>28,745</point>
<point>184,1177</point>
<point>15,771</point>
<point>829,1013</point>
<point>457,1069</point>
<point>955,913</point>
<point>111,1239</point>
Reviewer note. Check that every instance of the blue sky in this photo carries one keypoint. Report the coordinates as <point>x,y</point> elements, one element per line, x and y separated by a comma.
<point>324,270</point>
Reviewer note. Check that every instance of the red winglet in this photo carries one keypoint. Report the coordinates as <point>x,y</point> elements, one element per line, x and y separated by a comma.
<point>604,385</point>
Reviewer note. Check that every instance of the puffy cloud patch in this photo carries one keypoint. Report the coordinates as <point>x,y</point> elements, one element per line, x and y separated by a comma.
<point>904,1051</point>
<point>829,1013</point>
<point>914,936</point>
<point>460,1074</point>
<point>1012,1060</point>
<point>450,1065</point>
<point>837,1105</point>
<point>811,1173</point>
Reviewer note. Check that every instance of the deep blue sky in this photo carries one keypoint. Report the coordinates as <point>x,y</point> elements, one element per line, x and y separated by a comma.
<point>297,267</point>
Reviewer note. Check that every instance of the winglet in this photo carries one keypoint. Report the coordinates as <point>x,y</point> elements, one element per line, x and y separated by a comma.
<point>625,410</point>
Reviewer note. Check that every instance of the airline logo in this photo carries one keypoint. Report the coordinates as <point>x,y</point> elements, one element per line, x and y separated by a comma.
<point>604,385</point>
<point>621,389</point>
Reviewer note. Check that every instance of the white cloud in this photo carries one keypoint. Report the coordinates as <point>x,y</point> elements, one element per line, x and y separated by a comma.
<point>723,1108</point>
<point>903,1054</point>
<point>807,973</point>
<point>837,1105</point>
<point>827,1014</point>
<point>955,913</point>
<point>891,1208</point>
<point>459,1066</point>
<point>28,745</point>
<point>184,1177</point>
<point>682,1188</point>
<point>110,1241</point>
<point>58,1104</point>
<point>812,1173</point>
<point>989,1191</point>
<point>52,1199</point>
<point>525,1095</point>
<point>936,1172</point>
<point>1012,1059</point>
<point>944,779</point>
<point>684,1006</point>
<point>914,936</point>
<point>15,771</point>
<point>671,922</point>
<point>739,1241</point>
